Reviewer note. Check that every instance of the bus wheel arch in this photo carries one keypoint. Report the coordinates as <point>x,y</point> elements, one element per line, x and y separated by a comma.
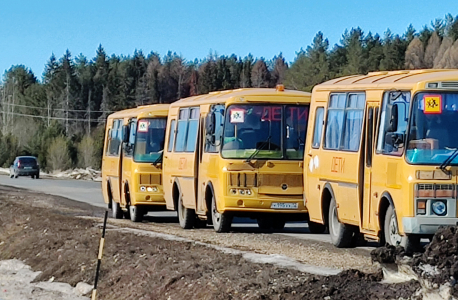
<point>176,190</point>
<point>385,202</point>
<point>326,198</point>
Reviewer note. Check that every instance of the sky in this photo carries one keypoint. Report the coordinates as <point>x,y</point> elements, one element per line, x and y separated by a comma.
<point>31,31</point>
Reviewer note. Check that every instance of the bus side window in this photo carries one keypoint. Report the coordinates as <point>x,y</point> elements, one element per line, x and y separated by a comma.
<point>171,135</point>
<point>114,142</point>
<point>212,144</point>
<point>318,127</point>
<point>182,129</point>
<point>193,127</point>
<point>393,123</point>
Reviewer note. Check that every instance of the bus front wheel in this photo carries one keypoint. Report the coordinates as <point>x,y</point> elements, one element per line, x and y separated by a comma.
<point>186,216</point>
<point>341,234</point>
<point>221,221</point>
<point>410,243</point>
<point>136,213</point>
<point>316,228</point>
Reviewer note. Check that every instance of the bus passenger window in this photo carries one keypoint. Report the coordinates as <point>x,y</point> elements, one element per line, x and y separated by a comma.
<point>171,135</point>
<point>193,127</point>
<point>318,128</point>
<point>182,128</point>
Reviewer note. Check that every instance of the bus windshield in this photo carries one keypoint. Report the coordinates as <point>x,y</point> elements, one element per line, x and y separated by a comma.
<point>265,131</point>
<point>433,134</point>
<point>149,140</point>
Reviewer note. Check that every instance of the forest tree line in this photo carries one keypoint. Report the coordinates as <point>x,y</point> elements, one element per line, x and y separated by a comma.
<point>61,118</point>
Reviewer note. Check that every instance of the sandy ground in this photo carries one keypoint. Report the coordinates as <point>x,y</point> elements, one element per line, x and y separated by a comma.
<point>60,238</point>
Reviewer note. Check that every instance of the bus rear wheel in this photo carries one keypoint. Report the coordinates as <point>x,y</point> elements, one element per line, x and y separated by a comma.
<point>186,216</point>
<point>411,243</point>
<point>341,234</point>
<point>221,221</point>
<point>116,209</point>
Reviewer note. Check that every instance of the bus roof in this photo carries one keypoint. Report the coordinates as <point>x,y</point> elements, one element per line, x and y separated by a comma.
<point>234,95</point>
<point>404,79</point>
<point>144,110</point>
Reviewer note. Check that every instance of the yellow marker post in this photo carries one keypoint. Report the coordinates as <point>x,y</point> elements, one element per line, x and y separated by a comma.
<point>99,257</point>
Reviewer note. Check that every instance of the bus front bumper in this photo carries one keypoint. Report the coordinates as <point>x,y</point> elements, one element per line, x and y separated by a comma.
<point>265,205</point>
<point>426,225</point>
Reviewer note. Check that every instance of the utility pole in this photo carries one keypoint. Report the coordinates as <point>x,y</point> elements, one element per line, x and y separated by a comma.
<point>66,108</point>
<point>89,112</point>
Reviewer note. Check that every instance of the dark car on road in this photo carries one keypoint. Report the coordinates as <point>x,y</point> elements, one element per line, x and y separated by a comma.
<point>25,166</point>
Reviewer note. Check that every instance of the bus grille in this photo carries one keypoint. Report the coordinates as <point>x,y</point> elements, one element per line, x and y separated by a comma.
<point>151,179</point>
<point>257,180</point>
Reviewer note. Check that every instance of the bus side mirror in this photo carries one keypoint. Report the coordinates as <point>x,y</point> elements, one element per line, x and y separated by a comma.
<point>125,133</point>
<point>210,123</point>
<point>394,118</point>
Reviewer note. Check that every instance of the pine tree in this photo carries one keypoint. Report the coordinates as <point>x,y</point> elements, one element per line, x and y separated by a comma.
<point>245,77</point>
<point>373,52</point>
<point>354,52</point>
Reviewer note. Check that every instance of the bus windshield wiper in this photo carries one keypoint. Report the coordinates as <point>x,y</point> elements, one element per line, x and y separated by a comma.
<point>158,160</point>
<point>248,160</point>
<point>449,160</point>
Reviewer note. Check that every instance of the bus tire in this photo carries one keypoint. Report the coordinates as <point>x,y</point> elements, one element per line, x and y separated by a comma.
<point>186,216</point>
<point>221,221</point>
<point>136,213</point>
<point>264,223</point>
<point>341,234</point>
<point>316,228</point>
<point>278,224</point>
<point>411,243</point>
<point>116,210</point>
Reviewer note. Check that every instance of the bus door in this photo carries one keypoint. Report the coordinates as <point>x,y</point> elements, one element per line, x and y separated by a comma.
<point>368,221</point>
<point>126,161</point>
<point>210,140</point>
<point>111,160</point>
<point>188,153</point>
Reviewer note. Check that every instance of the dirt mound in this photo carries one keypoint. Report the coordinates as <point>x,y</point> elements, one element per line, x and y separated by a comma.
<point>52,240</point>
<point>387,255</point>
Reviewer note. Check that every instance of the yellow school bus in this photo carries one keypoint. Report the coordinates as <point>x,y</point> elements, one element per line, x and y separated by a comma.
<point>132,161</point>
<point>236,153</point>
<point>381,156</point>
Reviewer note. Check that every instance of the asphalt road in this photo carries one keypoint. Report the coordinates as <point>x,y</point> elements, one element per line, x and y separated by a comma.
<point>90,192</point>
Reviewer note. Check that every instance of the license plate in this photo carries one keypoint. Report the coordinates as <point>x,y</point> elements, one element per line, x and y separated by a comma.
<point>28,168</point>
<point>277,205</point>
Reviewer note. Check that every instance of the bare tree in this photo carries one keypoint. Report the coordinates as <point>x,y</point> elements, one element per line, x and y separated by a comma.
<point>432,49</point>
<point>415,55</point>
<point>440,60</point>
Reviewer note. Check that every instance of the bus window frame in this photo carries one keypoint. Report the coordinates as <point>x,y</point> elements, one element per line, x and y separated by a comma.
<point>379,119</point>
<point>110,139</point>
<point>347,96</point>
<point>320,141</point>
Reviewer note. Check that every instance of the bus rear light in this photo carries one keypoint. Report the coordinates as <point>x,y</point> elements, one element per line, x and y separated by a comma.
<point>421,207</point>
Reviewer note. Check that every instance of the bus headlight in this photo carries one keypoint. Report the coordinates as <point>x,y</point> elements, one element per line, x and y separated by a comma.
<point>155,189</point>
<point>439,207</point>
<point>142,189</point>
<point>149,189</point>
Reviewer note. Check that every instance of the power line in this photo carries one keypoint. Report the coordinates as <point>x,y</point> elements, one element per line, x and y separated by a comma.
<point>52,118</point>
<point>59,109</point>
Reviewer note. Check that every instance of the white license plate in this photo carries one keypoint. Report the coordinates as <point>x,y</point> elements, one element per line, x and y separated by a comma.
<point>27,168</point>
<point>277,205</point>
